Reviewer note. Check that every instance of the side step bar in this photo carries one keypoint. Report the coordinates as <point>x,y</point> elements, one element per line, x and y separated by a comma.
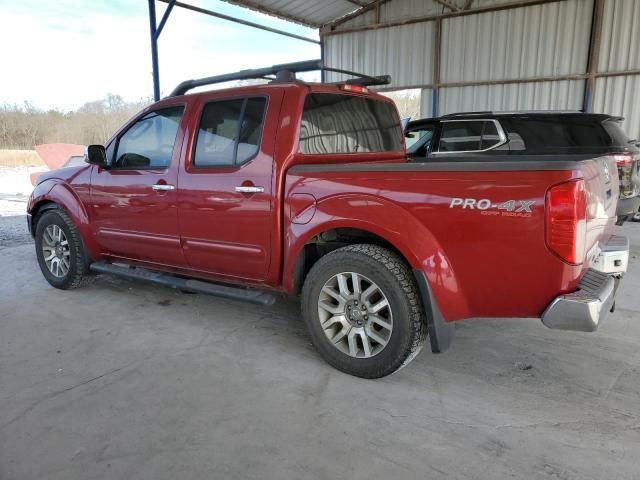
<point>234,293</point>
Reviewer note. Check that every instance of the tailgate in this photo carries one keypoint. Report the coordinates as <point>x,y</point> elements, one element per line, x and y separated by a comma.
<point>602,192</point>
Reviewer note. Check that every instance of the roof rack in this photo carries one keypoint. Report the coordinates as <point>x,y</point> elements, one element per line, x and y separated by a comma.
<point>510,112</point>
<point>461,114</point>
<point>285,72</point>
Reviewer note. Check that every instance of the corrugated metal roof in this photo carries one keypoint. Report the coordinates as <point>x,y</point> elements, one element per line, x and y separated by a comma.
<point>312,13</point>
<point>406,9</point>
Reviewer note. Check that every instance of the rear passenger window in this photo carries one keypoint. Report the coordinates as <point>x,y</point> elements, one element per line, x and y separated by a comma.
<point>229,132</point>
<point>468,136</point>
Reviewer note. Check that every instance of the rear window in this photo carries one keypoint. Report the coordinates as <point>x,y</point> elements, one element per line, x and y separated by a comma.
<point>334,123</point>
<point>468,136</point>
<point>568,134</point>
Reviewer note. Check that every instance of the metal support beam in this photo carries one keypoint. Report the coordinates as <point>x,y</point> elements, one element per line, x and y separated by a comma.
<point>430,18</point>
<point>155,30</point>
<point>165,17</point>
<point>322,72</point>
<point>229,18</point>
<point>594,55</point>
<point>154,50</point>
<point>450,5</point>
<point>437,43</point>
<point>370,6</point>
<point>514,81</point>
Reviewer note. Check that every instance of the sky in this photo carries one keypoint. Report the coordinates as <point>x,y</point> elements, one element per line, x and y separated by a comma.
<point>60,54</point>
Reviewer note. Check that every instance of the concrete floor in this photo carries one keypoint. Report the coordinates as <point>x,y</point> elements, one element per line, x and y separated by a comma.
<point>129,381</point>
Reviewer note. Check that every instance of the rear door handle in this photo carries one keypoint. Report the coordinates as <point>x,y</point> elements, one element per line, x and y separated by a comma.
<point>249,189</point>
<point>163,187</point>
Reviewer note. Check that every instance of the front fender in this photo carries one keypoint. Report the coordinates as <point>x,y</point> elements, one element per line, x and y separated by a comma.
<point>66,198</point>
<point>395,225</point>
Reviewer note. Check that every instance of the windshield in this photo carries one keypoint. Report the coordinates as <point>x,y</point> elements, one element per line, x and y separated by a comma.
<point>335,123</point>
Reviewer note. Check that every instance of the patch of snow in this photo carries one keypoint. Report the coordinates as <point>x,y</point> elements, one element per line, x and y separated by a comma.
<point>15,188</point>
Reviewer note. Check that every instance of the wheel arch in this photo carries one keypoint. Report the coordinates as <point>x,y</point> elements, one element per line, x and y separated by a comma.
<point>52,195</point>
<point>386,223</point>
<point>318,244</point>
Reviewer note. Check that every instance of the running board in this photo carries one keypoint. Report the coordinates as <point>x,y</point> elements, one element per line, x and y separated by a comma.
<point>234,293</point>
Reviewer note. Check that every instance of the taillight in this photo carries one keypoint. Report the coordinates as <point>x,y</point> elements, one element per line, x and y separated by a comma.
<point>566,222</point>
<point>349,87</point>
<point>625,163</point>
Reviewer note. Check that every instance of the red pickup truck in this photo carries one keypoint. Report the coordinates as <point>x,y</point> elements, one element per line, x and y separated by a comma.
<point>305,188</point>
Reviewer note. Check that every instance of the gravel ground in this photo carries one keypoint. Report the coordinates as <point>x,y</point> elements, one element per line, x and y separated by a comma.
<point>15,188</point>
<point>127,380</point>
<point>13,231</point>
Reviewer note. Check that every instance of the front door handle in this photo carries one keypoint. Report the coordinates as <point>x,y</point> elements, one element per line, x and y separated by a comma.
<point>163,187</point>
<point>249,189</point>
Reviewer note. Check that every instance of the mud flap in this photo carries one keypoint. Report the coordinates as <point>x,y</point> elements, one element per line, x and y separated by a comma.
<point>440,332</point>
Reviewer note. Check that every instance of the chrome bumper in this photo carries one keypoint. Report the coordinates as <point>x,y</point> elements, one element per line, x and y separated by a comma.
<point>584,309</point>
<point>614,257</point>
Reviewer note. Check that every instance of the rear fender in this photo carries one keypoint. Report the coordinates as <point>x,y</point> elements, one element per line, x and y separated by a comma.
<point>390,222</point>
<point>64,197</point>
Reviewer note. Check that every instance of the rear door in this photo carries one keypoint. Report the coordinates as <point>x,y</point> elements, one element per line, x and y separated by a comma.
<point>133,203</point>
<point>226,186</point>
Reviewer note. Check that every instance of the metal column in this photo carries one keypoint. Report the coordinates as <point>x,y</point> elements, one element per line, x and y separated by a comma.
<point>594,55</point>
<point>155,31</point>
<point>435,93</point>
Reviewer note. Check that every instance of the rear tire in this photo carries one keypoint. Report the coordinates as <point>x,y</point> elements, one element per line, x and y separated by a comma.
<point>363,310</point>
<point>61,255</point>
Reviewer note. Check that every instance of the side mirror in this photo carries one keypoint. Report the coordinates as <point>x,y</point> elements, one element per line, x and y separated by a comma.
<point>97,155</point>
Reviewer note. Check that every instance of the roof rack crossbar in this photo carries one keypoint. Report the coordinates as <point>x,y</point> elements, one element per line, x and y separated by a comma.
<point>282,71</point>
<point>362,79</point>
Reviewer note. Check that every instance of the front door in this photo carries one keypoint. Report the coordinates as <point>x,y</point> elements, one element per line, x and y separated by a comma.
<point>133,203</point>
<point>225,193</point>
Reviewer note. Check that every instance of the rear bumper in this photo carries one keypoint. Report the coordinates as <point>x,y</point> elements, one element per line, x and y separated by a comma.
<point>584,309</point>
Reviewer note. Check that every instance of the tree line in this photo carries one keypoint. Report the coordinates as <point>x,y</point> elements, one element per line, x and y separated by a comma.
<point>23,126</point>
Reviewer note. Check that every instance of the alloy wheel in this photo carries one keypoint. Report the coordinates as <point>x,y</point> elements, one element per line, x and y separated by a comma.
<point>56,252</point>
<point>355,315</point>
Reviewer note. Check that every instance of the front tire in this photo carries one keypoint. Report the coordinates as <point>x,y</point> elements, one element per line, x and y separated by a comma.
<point>61,255</point>
<point>363,310</point>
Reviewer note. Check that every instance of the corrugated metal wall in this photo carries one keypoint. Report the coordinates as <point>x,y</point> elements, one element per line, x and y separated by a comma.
<point>383,51</point>
<point>543,40</point>
<point>564,95</point>
<point>520,43</point>
<point>620,50</point>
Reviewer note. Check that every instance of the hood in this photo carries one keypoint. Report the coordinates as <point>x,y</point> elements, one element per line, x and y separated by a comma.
<point>66,174</point>
<point>54,155</point>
